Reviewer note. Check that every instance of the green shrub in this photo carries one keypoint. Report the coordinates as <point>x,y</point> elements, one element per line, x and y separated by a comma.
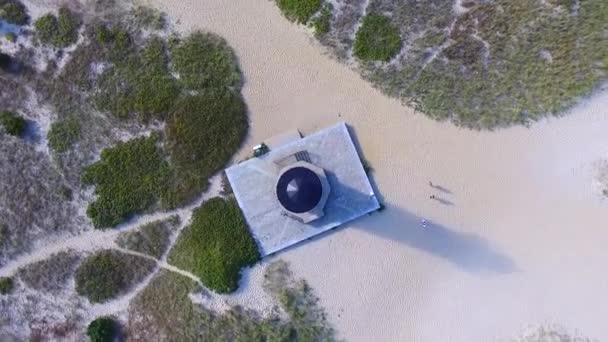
<point>216,245</point>
<point>13,12</point>
<point>108,274</point>
<point>299,10</point>
<point>152,239</point>
<point>321,24</point>
<point>103,329</point>
<point>129,179</point>
<point>52,274</point>
<point>148,18</point>
<point>63,134</point>
<point>4,234</point>
<point>377,39</point>
<point>11,37</point>
<point>13,124</point>
<point>5,61</point>
<point>203,132</point>
<point>6,285</point>
<point>60,31</point>
<point>204,60</point>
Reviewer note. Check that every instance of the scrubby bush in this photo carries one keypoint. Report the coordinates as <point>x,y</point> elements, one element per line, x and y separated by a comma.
<point>3,234</point>
<point>203,132</point>
<point>103,329</point>
<point>129,179</point>
<point>148,18</point>
<point>52,274</point>
<point>299,10</point>
<point>13,124</point>
<point>11,37</point>
<point>60,31</point>
<point>63,134</point>
<point>321,24</point>
<point>204,60</point>
<point>14,12</point>
<point>377,39</point>
<point>216,245</point>
<point>108,274</point>
<point>151,239</point>
<point>6,285</point>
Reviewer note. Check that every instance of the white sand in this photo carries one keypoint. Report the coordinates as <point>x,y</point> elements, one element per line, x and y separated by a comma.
<point>523,243</point>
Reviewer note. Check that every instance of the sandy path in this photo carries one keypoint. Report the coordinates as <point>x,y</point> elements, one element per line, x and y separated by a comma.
<point>519,239</point>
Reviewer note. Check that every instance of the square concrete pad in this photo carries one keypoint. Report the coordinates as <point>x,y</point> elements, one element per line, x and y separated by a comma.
<point>253,182</point>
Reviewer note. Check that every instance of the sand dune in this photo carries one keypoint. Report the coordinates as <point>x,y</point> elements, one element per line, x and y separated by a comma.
<point>518,236</point>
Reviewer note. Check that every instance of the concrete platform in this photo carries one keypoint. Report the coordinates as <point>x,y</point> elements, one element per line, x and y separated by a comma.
<point>253,182</point>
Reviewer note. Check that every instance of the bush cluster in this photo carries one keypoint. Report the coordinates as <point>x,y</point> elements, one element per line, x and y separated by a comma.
<point>216,245</point>
<point>321,24</point>
<point>103,329</point>
<point>203,132</point>
<point>51,274</point>
<point>6,285</point>
<point>63,134</point>
<point>108,274</point>
<point>61,30</point>
<point>129,179</point>
<point>13,124</point>
<point>151,239</point>
<point>299,11</point>
<point>377,39</point>
<point>14,12</point>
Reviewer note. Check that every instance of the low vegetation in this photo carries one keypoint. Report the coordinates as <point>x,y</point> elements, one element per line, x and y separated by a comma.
<point>6,285</point>
<point>165,309</point>
<point>52,274</point>
<point>152,239</point>
<point>108,274</point>
<point>203,132</point>
<point>299,11</point>
<point>321,23</point>
<point>63,134</point>
<point>377,39</point>
<point>204,60</point>
<point>13,124</point>
<point>495,64</point>
<point>14,12</point>
<point>61,30</point>
<point>129,179</point>
<point>216,245</point>
<point>103,329</point>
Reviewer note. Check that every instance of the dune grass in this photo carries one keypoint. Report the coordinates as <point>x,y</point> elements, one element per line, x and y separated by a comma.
<point>6,285</point>
<point>377,39</point>
<point>129,179</point>
<point>14,12</point>
<point>109,273</point>
<point>299,11</point>
<point>321,23</point>
<point>13,123</point>
<point>61,30</point>
<point>63,134</point>
<point>152,239</point>
<point>216,245</point>
<point>51,274</point>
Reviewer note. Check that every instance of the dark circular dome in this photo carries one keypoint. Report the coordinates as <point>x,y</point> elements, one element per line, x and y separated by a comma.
<point>299,189</point>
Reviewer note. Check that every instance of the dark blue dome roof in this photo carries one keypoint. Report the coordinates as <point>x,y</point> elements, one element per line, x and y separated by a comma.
<point>299,189</point>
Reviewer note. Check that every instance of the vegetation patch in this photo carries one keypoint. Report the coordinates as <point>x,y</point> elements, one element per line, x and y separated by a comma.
<point>216,245</point>
<point>204,60</point>
<point>13,124</point>
<point>52,274</point>
<point>63,134</point>
<point>203,132</point>
<point>152,239</point>
<point>322,23</point>
<point>61,30</point>
<point>148,18</point>
<point>108,274</point>
<point>299,11</point>
<point>14,12</point>
<point>6,285</point>
<point>165,309</point>
<point>377,39</point>
<point>103,329</point>
<point>129,179</point>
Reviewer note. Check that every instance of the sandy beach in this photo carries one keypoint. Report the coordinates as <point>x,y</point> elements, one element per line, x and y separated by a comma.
<point>516,237</point>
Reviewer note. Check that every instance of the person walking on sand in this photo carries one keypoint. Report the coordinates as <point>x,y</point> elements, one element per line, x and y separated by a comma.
<point>433,197</point>
<point>431,184</point>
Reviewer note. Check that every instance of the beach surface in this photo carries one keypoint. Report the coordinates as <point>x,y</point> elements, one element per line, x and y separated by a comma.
<point>516,236</point>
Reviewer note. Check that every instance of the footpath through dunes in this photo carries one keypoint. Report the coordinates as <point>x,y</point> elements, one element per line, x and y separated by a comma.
<point>515,237</point>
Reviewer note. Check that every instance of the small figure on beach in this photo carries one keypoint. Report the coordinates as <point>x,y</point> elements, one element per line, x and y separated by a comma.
<point>432,197</point>
<point>431,184</point>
